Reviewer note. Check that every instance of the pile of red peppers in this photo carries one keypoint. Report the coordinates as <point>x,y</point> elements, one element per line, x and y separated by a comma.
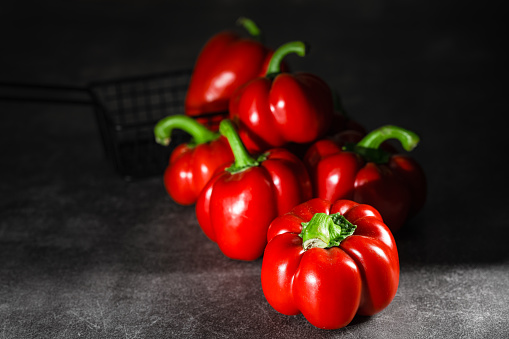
<point>277,169</point>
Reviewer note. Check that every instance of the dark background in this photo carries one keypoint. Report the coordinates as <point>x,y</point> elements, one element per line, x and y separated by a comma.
<point>85,254</point>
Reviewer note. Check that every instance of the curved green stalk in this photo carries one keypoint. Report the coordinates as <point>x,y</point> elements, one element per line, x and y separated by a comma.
<point>297,47</point>
<point>199,133</point>
<point>243,160</point>
<point>374,139</point>
<point>250,26</point>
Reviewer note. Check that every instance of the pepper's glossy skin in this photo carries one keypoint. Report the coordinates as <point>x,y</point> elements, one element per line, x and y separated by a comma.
<point>330,286</point>
<point>226,61</point>
<point>191,167</point>
<point>235,209</point>
<point>397,188</point>
<point>274,111</point>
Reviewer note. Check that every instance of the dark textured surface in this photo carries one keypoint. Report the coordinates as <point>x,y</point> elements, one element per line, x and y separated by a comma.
<point>84,254</point>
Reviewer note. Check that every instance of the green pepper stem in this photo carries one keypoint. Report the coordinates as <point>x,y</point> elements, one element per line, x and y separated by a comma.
<point>243,159</point>
<point>316,232</point>
<point>297,47</point>
<point>250,26</point>
<point>324,231</point>
<point>199,133</point>
<point>374,139</point>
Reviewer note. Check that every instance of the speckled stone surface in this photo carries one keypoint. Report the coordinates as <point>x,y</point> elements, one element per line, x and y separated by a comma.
<point>84,254</point>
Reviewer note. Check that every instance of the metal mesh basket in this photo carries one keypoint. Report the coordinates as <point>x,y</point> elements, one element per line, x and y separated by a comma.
<point>127,110</point>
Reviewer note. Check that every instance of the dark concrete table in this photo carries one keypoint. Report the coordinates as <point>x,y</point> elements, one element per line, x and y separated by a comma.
<point>85,254</point>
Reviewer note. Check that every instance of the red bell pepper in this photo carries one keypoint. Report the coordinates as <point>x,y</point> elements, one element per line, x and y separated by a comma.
<point>237,205</point>
<point>330,261</point>
<point>227,61</point>
<point>341,124</point>
<point>394,184</point>
<point>280,108</point>
<point>191,164</point>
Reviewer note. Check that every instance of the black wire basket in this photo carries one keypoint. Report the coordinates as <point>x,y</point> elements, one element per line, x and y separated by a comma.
<point>126,110</point>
